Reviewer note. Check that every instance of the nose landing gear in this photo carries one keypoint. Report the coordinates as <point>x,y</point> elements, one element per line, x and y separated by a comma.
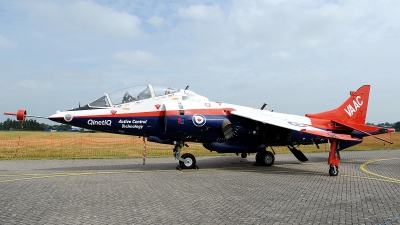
<point>187,160</point>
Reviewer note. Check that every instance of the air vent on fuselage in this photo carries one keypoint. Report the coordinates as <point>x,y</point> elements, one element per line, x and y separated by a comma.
<point>227,129</point>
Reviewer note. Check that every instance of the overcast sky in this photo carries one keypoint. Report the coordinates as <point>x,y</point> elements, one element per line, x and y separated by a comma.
<point>297,56</point>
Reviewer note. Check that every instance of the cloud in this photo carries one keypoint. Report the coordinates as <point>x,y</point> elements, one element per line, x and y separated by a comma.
<point>35,85</point>
<point>284,55</point>
<point>5,43</point>
<point>139,59</point>
<point>86,17</point>
<point>156,21</point>
<point>202,13</point>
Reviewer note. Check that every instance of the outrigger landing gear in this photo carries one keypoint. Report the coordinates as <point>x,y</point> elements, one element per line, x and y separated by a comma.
<point>334,158</point>
<point>187,160</point>
<point>265,158</point>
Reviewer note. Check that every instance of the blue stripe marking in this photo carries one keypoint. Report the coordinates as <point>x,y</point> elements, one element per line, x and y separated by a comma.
<point>391,221</point>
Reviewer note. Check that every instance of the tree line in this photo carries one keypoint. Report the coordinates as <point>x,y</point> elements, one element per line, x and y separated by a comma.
<point>395,125</point>
<point>30,125</point>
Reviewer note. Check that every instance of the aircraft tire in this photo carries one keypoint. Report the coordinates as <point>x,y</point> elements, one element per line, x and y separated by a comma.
<point>265,158</point>
<point>188,165</point>
<point>333,171</point>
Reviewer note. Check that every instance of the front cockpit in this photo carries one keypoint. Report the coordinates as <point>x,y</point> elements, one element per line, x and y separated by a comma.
<point>126,95</point>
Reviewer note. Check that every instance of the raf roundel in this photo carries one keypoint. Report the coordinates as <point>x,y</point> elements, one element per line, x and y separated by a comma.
<point>198,120</point>
<point>68,117</point>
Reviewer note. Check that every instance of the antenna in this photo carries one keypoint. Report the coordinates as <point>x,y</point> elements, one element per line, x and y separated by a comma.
<point>187,87</point>
<point>263,106</point>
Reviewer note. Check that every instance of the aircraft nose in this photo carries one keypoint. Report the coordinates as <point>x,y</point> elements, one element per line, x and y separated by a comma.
<point>57,117</point>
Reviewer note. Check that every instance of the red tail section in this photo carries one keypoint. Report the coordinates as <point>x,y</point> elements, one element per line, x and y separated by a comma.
<point>353,110</point>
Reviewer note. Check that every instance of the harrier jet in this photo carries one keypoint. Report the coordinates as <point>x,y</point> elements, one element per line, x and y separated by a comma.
<point>175,116</point>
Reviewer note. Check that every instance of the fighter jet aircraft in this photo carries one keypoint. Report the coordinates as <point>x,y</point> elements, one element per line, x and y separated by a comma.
<point>175,116</point>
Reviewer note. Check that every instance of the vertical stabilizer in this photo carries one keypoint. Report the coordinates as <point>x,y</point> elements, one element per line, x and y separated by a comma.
<point>353,110</point>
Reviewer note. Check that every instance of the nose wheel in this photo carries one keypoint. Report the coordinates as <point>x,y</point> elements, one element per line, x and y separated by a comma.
<point>187,160</point>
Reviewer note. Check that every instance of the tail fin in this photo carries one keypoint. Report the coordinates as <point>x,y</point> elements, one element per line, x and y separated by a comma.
<point>353,110</point>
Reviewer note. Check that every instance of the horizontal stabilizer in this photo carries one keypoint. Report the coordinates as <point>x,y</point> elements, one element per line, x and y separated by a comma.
<point>352,127</point>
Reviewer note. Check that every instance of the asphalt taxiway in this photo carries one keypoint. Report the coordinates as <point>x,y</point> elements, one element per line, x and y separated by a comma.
<point>224,190</point>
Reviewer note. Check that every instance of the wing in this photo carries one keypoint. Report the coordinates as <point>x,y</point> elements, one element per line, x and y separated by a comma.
<point>267,118</point>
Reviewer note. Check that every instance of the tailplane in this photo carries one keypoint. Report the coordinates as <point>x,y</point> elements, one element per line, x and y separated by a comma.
<point>353,110</point>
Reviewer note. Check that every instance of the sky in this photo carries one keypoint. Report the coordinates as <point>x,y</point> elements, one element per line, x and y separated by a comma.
<point>297,56</point>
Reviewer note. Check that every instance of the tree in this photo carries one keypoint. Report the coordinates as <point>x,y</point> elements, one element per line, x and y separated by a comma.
<point>397,126</point>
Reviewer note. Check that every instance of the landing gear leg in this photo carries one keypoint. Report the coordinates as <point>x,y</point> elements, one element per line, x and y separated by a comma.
<point>187,160</point>
<point>334,158</point>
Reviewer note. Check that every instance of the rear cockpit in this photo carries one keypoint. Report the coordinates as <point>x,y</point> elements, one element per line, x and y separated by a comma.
<point>126,95</point>
<point>139,93</point>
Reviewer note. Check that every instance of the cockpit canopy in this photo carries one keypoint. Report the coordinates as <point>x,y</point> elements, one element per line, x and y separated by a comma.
<point>139,93</point>
<point>130,94</point>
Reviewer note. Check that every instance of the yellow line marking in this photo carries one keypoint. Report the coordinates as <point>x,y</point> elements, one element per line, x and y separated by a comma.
<point>362,167</point>
<point>42,176</point>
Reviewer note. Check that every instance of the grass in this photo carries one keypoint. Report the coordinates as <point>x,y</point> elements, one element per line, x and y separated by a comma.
<point>67,145</point>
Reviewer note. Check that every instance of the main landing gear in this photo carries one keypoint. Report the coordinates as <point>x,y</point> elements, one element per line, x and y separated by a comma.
<point>187,160</point>
<point>334,157</point>
<point>265,158</point>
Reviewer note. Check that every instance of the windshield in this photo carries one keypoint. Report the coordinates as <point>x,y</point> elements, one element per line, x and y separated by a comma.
<point>101,102</point>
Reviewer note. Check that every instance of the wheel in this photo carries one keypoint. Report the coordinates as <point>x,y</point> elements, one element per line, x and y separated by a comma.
<point>191,161</point>
<point>333,171</point>
<point>265,158</point>
<point>243,155</point>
